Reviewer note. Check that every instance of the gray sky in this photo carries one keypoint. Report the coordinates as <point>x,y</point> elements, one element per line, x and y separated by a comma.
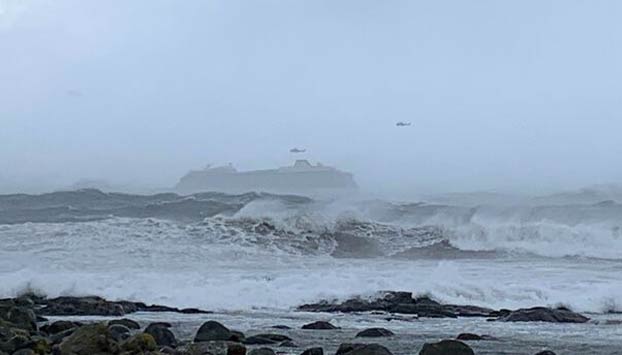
<point>503,95</point>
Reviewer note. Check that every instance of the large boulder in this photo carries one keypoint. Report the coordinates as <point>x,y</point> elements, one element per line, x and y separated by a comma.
<point>262,351</point>
<point>119,332</point>
<point>92,339</point>
<point>374,333</point>
<point>59,326</point>
<point>22,317</point>
<point>139,343</point>
<point>319,325</point>
<point>543,314</point>
<point>216,348</point>
<point>475,337</point>
<point>264,339</point>
<point>211,331</point>
<point>313,351</point>
<point>362,349</point>
<point>162,335</point>
<point>446,347</point>
<point>130,324</point>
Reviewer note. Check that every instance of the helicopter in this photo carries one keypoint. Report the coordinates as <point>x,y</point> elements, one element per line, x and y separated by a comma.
<point>402,124</point>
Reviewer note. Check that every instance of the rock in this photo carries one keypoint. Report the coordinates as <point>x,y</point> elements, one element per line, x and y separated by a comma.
<point>22,317</point>
<point>59,326</point>
<point>15,343</point>
<point>471,336</point>
<point>320,325</point>
<point>288,344</point>
<point>139,343</point>
<point>130,324</point>
<point>263,339</point>
<point>400,302</point>
<point>236,336</point>
<point>236,349</point>
<point>25,352</point>
<point>212,330</point>
<point>170,351</point>
<point>216,348</point>
<point>543,314</point>
<point>262,351</point>
<point>374,333</point>
<point>119,332</point>
<point>362,349</point>
<point>313,351</point>
<point>446,347</point>
<point>89,340</point>
<point>162,335</point>
<point>97,306</point>
<point>546,352</point>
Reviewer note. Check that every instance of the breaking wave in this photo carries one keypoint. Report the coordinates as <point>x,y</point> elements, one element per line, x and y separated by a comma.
<point>267,251</point>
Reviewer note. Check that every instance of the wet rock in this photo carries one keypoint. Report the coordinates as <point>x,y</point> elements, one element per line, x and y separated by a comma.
<point>162,335</point>
<point>25,352</point>
<point>262,351</point>
<point>89,340</point>
<point>546,352</point>
<point>374,333</point>
<point>362,349</point>
<point>288,344</point>
<point>399,302</point>
<point>446,347</point>
<point>119,332</point>
<point>475,337</point>
<point>264,339</point>
<point>319,325</point>
<point>22,317</point>
<point>97,306</point>
<point>139,343</point>
<point>15,343</point>
<point>236,336</point>
<point>216,348</point>
<point>130,324</point>
<point>211,331</point>
<point>236,349</point>
<point>284,327</point>
<point>543,314</point>
<point>59,326</point>
<point>313,351</point>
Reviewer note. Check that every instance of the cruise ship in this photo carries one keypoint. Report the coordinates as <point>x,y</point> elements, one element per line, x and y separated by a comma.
<point>300,178</point>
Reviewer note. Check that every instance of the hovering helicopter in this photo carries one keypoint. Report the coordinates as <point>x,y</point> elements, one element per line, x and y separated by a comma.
<point>403,124</point>
<point>296,150</point>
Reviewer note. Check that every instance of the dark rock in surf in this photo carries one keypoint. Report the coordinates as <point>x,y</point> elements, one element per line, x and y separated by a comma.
<point>362,349</point>
<point>265,339</point>
<point>374,333</point>
<point>262,351</point>
<point>446,347</point>
<point>319,325</point>
<point>236,336</point>
<point>399,302</point>
<point>284,327</point>
<point>217,347</point>
<point>211,331</point>
<point>288,344</point>
<point>130,324</point>
<point>474,337</point>
<point>546,352</point>
<point>161,334</point>
<point>313,351</point>
<point>543,314</point>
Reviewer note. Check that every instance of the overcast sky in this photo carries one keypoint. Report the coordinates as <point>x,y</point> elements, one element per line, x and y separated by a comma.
<point>502,95</point>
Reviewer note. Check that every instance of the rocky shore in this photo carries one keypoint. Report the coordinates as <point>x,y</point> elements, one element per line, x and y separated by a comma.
<point>25,330</point>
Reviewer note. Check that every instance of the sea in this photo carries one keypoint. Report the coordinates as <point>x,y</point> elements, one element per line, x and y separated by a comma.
<point>253,258</point>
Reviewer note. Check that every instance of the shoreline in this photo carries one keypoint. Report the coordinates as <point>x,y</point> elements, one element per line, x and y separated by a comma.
<point>409,331</point>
